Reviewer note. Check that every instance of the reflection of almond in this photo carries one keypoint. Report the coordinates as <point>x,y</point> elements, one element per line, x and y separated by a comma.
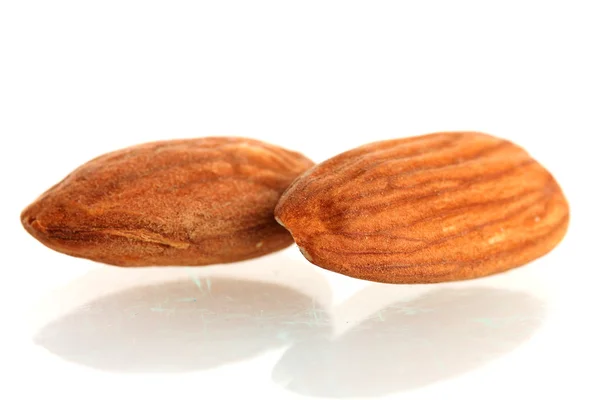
<point>180,202</point>
<point>433,208</point>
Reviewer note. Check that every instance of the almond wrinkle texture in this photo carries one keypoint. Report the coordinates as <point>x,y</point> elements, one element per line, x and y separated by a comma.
<point>186,202</point>
<point>432,208</point>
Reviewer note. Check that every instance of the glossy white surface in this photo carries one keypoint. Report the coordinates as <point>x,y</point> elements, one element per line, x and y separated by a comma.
<point>279,326</point>
<point>78,79</point>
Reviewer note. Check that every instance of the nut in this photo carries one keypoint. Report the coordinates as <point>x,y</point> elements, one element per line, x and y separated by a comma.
<point>433,208</point>
<point>179,202</point>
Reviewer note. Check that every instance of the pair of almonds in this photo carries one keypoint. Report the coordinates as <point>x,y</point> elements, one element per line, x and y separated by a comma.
<point>433,208</point>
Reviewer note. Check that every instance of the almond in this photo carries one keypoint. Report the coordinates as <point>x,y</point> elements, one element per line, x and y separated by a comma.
<point>179,202</point>
<point>433,208</point>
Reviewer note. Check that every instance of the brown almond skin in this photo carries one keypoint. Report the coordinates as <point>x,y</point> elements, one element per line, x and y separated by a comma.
<point>439,207</point>
<point>186,202</point>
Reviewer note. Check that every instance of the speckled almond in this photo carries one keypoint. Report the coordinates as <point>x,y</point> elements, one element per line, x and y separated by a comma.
<point>438,207</point>
<point>180,202</point>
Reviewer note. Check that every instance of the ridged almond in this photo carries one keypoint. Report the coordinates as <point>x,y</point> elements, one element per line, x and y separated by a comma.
<point>438,207</point>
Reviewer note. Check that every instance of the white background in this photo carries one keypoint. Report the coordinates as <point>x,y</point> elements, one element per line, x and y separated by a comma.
<point>80,78</point>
